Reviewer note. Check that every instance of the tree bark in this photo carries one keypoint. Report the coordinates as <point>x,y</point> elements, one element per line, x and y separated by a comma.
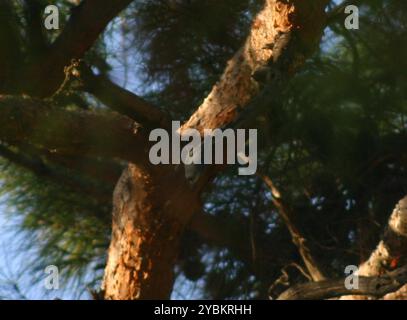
<point>36,122</point>
<point>378,276</point>
<point>236,87</point>
<point>376,286</point>
<point>151,209</point>
<point>87,21</point>
<point>391,250</point>
<point>149,216</point>
<point>152,206</point>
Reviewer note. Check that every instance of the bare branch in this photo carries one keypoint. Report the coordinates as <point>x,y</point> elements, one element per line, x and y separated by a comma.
<point>392,249</point>
<point>374,278</point>
<point>122,100</point>
<point>41,170</point>
<point>237,93</point>
<point>313,267</point>
<point>33,10</point>
<point>276,21</point>
<point>369,286</point>
<point>87,22</point>
<point>105,170</point>
<point>25,120</point>
<point>10,54</point>
<point>96,168</point>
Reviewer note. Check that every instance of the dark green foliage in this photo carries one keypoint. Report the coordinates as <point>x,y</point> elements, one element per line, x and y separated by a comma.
<point>335,144</point>
<point>63,227</point>
<point>185,46</point>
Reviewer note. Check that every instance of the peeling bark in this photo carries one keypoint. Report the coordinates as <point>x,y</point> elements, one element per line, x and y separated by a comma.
<point>236,87</point>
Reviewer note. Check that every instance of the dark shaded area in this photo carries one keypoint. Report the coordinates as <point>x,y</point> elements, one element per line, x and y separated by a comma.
<point>334,143</point>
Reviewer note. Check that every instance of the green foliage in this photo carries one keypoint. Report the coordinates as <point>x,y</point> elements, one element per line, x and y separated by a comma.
<point>334,144</point>
<point>185,46</point>
<point>62,227</point>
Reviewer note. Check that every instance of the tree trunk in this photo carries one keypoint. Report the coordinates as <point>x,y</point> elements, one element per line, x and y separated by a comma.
<point>151,210</point>
<point>148,218</point>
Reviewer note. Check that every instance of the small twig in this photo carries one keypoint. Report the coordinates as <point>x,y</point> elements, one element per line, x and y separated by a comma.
<point>71,71</point>
<point>285,212</point>
<point>302,270</point>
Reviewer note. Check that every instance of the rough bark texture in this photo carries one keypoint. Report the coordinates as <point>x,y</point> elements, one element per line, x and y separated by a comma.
<point>86,23</point>
<point>152,210</point>
<point>383,274</point>
<point>152,206</point>
<point>374,286</point>
<point>71,132</point>
<point>236,87</point>
<point>149,216</point>
<point>390,251</point>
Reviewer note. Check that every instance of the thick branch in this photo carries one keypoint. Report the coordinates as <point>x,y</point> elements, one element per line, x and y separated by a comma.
<point>103,170</point>
<point>142,254</point>
<point>10,50</point>
<point>374,278</point>
<point>373,286</point>
<point>33,14</point>
<point>123,101</point>
<point>236,87</point>
<point>87,22</point>
<point>41,170</point>
<point>392,248</point>
<point>96,168</point>
<point>266,48</point>
<point>24,120</point>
